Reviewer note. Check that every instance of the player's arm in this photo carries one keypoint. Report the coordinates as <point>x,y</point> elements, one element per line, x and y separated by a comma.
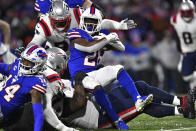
<point>87,4</point>
<point>36,99</point>
<point>39,37</point>
<point>95,45</point>
<point>114,25</point>
<point>5,68</point>
<point>5,27</point>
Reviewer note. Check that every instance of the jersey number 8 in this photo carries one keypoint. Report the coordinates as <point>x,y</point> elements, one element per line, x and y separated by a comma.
<point>187,38</point>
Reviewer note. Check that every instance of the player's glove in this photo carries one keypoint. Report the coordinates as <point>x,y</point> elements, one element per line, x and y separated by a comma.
<point>19,50</point>
<point>62,127</point>
<point>127,24</point>
<point>112,37</point>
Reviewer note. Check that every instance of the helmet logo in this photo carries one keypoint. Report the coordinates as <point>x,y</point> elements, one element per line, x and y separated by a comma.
<point>41,54</point>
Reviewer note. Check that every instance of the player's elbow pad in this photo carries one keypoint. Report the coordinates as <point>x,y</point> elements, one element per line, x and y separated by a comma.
<point>38,116</point>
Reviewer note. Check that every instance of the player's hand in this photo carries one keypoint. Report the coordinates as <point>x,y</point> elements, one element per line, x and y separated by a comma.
<point>19,50</point>
<point>112,37</point>
<point>62,127</point>
<point>100,36</point>
<point>69,129</point>
<point>127,24</point>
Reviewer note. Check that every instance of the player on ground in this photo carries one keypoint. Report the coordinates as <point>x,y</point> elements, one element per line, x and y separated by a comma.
<point>89,116</point>
<point>56,63</point>
<point>85,53</point>
<point>23,84</point>
<point>184,23</point>
<point>124,105</point>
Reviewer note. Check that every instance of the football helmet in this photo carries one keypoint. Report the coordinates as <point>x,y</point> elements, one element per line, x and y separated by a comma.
<point>35,55</point>
<point>57,59</point>
<point>90,20</point>
<point>187,10</point>
<point>60,16</point>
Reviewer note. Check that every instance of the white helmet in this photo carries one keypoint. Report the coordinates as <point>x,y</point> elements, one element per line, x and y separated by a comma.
<point>36,55</point>
<point>57,59</point>
<point>187,10</point>
<point>60,16</point>
<point>90,20</point>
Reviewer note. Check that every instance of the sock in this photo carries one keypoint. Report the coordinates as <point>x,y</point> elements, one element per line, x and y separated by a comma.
<point>176,101</point>
<point>105,103</point>
<point>127,83</point>
<point>159,110</point>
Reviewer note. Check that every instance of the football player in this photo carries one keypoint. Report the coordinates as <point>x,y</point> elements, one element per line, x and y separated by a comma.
<point>23,84</point>
<point>52,26</point>
<point>184,23</point>
<point>5,52</point>
<point>124,105</point>
<point>85,52</point>
<point>56,63</point>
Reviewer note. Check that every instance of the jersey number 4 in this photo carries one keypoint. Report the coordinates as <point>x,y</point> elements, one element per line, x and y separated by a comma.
<point>11,90</point>
<point>187,38</point>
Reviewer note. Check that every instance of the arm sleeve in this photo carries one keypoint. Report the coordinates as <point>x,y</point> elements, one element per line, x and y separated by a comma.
<point>4,69</point>
<point>39,37</point>
<point>49,113</point>
<point>110,24</point>
<point>38,116</point>
<point>92,48</point>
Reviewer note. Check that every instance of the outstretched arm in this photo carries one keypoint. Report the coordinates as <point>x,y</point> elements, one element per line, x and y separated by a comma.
<point>114,25</point>
<point>36,99</point>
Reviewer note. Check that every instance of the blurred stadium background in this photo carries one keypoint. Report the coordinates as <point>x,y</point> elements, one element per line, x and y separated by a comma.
<point>151,53</point>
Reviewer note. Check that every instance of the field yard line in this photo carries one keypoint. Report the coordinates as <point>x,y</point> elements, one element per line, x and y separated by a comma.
<point>179,129</point>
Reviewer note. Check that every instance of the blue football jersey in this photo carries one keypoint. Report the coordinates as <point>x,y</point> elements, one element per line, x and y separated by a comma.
<point>79,60</point>
<point>43,6</point>
<point>15,91</point>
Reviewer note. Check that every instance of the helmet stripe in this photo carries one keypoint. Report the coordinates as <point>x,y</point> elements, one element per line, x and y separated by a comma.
<point>32,49</point>
<point>92,11</point>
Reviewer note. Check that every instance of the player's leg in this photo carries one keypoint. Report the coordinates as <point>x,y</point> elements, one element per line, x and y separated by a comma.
<point>112,73</point>
<point>91,83</point>
<point>188,67</point>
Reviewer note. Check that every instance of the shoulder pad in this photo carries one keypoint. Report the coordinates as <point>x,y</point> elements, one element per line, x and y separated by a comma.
<point>42,25</point>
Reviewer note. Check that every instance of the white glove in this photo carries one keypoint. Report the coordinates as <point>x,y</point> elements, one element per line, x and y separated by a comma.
<point>112,37</point>
<point>68,90</point>
<point>127,24</point>
<point>62,127</point>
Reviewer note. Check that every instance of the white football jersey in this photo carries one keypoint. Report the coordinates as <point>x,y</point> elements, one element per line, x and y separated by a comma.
<point>45,32</point>
<point>186,32</point>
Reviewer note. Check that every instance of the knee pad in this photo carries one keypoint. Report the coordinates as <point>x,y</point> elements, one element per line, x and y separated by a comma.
<point>90,83</point>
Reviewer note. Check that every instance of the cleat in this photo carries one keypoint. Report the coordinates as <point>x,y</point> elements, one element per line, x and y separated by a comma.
<point>189,107</point>
<point>142,102</point>
<point>121,125</point>
<point>183,101</point>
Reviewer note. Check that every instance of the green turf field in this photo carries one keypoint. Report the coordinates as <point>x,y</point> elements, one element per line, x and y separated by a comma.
<point>172,123</point>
